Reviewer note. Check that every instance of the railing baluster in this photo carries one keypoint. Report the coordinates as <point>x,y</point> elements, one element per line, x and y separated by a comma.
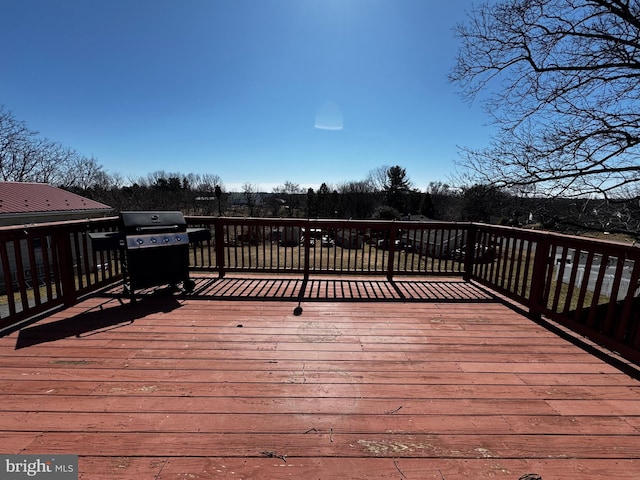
<point>514,258</point>
<point>584,286</point>
<point>572,280</point>
<point>503,256</point>
<point>613,297</point>
<point>528,268</point>
<point>46,262</point>
<point>592,321</point>
<point>559,275</point>
<point>518,268</point>
<point>22,286</point>
<point>8,278</point>
<point>33,269</point>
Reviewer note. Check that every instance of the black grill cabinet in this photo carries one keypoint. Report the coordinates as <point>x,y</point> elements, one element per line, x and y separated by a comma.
<point>154,247</point>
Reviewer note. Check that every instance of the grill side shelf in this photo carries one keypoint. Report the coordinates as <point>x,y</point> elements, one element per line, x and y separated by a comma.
<point>106,240</point>
<point>198,234</point>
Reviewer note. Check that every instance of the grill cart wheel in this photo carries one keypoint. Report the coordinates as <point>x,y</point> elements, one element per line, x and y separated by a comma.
<point>188,285</point>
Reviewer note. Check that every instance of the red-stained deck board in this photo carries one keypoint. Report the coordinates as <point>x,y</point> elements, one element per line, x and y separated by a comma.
<point>336,443</point>
<point>230,383</point>
<point>286,423</point>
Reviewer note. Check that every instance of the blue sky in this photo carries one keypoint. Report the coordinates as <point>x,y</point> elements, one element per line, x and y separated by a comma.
<point>258,91</point>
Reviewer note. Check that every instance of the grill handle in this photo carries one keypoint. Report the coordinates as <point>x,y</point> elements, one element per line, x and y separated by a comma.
<point>161,228</point>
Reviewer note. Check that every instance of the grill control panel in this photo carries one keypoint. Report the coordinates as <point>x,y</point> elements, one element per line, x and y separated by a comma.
<point>156,240</point>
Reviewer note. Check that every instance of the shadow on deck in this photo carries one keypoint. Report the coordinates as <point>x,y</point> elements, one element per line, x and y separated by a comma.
<point>164,300</point>
<point>332,289</point>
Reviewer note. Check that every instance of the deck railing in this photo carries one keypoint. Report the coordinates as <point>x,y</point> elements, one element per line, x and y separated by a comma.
<point>330,247</point>
<point>589,286</point>
<point>46,265</point>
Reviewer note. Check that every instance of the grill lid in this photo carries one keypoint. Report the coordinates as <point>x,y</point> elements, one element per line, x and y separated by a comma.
<point>150,221</point>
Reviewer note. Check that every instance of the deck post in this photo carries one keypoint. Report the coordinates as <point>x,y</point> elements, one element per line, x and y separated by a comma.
<point>307,250</point>
<point>629,324</point>
<point>67,274</point>
<point>469,253</point>
<point>218,235</point>
<point>537,300</point>
<point>392,250</point>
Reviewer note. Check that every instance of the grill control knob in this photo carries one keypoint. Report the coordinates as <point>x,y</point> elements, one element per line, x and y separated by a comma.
<point>178,238</point>
<point>153,240</point>
<point>140,241</point>
<point>166,239</point>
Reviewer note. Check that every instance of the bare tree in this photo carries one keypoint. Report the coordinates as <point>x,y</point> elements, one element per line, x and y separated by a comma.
<point>378,177</point>
<point>561,79</point>
<point>26,157</point>
<point>78,171</point>
<point>250,192</point>
<point>289,193</point>
<point>18,149</point>
<point>204,183</point>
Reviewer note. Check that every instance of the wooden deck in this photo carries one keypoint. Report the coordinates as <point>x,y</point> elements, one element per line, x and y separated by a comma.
<point>366,381</point>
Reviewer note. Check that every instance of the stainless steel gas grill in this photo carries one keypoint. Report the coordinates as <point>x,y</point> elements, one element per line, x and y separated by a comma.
<point>155,249</point>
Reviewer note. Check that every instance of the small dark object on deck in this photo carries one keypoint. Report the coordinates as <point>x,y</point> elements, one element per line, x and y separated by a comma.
<point>297,311</point>
<point>275,455</point>
<point>530,476</point>
<point>239,325</point>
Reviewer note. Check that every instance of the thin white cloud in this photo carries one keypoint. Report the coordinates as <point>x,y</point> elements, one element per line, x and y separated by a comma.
<point>329,117</point>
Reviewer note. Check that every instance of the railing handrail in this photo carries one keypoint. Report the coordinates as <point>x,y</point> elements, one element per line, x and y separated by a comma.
<point>65,225</point>
<point>195,219</point>
<point>530,233</point>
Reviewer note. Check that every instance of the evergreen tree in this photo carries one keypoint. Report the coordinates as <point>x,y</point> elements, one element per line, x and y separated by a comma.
<point>397,188</point>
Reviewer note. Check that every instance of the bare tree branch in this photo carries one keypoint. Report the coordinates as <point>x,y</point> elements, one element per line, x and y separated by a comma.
<point>561,80</point>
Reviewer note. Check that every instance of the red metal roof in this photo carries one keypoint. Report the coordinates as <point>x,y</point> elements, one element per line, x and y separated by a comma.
<point>23,197</point>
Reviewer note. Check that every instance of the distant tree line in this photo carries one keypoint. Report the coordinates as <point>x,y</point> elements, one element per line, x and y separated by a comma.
<point>386,193</point>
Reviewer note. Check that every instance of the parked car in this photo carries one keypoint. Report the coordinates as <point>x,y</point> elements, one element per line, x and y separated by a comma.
<point>406,246</point>
<point>482,254</point>
<point>327,241</point>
